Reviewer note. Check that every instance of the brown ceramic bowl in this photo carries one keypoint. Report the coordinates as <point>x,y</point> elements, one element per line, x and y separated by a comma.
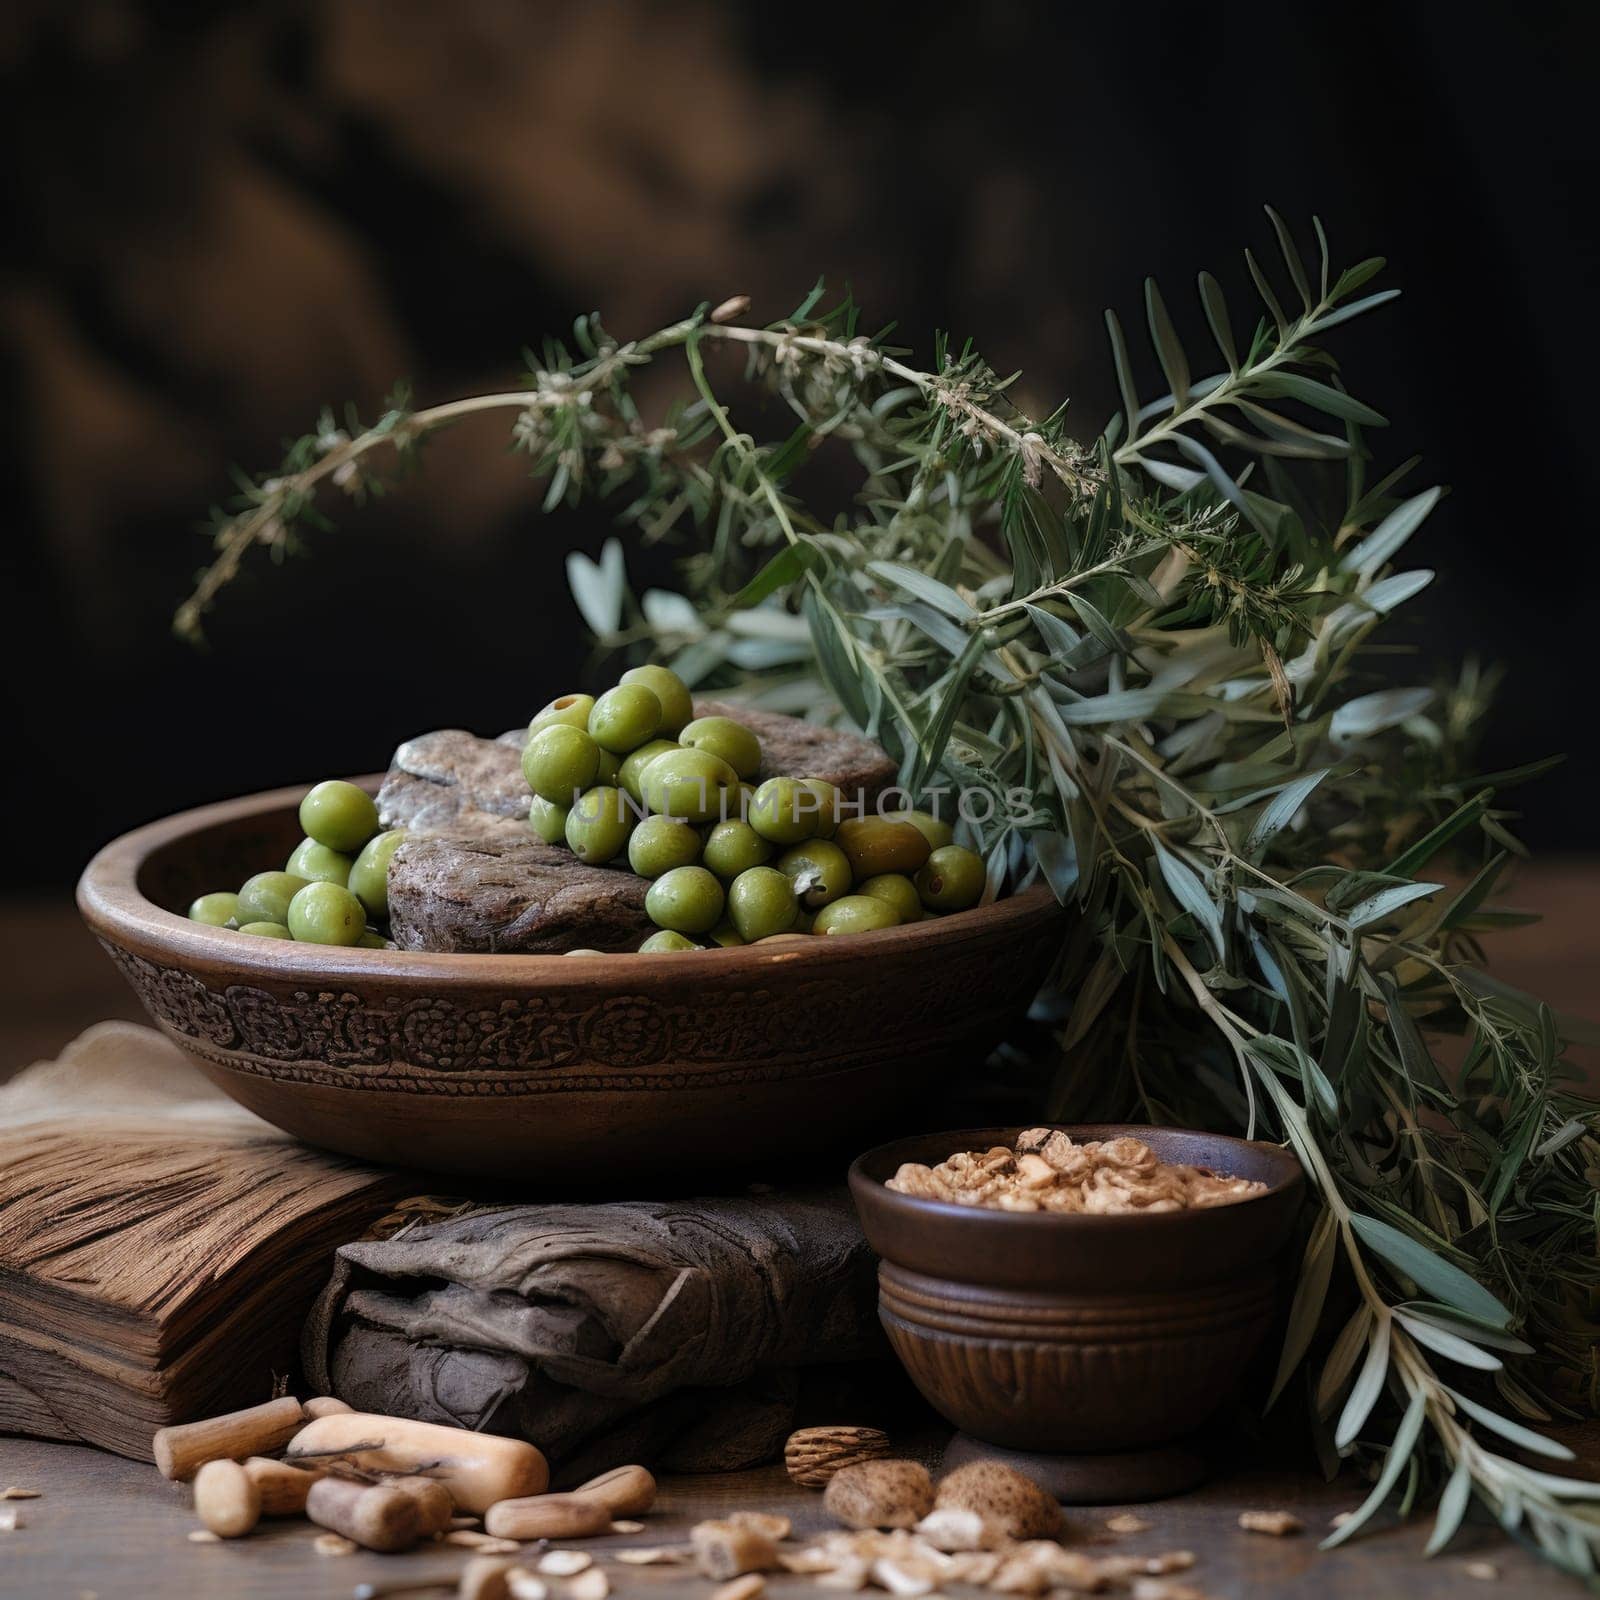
<point>543,1069</point>
<point>1085,1335</point>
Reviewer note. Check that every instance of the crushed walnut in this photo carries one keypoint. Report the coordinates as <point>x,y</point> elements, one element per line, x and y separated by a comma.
<point>907,1565</point>
<point>1048,1172</point>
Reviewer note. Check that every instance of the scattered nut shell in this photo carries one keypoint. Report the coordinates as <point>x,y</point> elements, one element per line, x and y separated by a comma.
<point>14,1493</point>
<point>744,1588</point>
<point>651,1555</point>
<point>953,1528</point>
<point>849,1575</point>
<point>907,1578</point>
<point>1280,1524</point>
<point>1483,1571</point>
<point>591,1584</point>
<point>332,1544</point>
<point>485,1544</point>
<point>775,1527</point>
<point>727,1549</point>
<point>1164,1589</point>
<point>203,1536</point>
<point>626,1526</point>
<point>485,1578</point>
<point>525,1586</point>
<point>813,1455</point>
<point>564,1563</point>
<point>880,1494</point>
<point>1004,1498</point>
<point>1127,1522</point>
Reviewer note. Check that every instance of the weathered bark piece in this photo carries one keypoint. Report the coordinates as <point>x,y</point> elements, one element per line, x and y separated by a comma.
<point>453,781</point>
<point>473,878</point>
<point>488,893</point>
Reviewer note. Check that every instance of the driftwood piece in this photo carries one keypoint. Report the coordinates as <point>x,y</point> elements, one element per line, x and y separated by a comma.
<point>376,1516</point>
<point>182,1450</point>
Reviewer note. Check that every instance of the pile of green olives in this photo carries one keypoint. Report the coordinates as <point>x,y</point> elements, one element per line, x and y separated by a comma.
<point>634,777</point>
<point>334,888</point>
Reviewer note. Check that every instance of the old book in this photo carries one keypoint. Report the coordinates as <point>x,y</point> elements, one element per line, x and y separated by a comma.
<point>155,1263</point>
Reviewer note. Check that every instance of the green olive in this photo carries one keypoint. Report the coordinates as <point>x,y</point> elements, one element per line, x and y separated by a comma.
<point>856,913</point>
<point>583,950</point>
<point>676,705</point>
<point>634,763</point>
<point>324,913</point>
<point>934,829</point>
<point>830,805</point>
<point>571,709</point>
<point>266,897</point>
<point>316,863</point>
<point>784,938</point>
<point>819,872</point>
<point>879,844</point>
<point>898,890</point>
<point>724,737</point>
<point>686,900</point>
<point>733,847</point>
<point>691,785</point>
<point>726,934</point>
<point>658,844</point>
<point>609,770</point>
<point>217,910</point>
<point>784,811</point>
<point>599,823</point>
<point>339,815</point>
<point>625,718</point>
<point>266,930</point>
<point>666,942</point>
<point>560,762</point>
<point>761,902</point>
<point>369,877</point>
<point>548,819</point>
<point>372,940</point>
<point>952,880</point>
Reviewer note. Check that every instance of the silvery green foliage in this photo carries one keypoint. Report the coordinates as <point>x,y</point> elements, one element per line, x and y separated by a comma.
<point>1163,642</point>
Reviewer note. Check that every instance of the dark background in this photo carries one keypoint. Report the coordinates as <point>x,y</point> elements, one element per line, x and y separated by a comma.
<point>218,223</point>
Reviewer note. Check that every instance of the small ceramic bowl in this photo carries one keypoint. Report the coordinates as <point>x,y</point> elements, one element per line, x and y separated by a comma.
<point>544,1070</point>
<point>1106,1342</point>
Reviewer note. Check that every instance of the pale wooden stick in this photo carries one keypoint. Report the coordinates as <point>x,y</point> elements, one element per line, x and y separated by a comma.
<point>377,1516</point>
<point>182,1450</point>
<point>325,1405</point>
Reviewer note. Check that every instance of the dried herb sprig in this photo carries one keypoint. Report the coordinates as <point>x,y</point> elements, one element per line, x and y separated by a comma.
<point>1149,657</point>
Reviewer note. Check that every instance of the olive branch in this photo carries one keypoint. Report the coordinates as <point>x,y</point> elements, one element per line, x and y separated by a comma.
<point>1162,640</point>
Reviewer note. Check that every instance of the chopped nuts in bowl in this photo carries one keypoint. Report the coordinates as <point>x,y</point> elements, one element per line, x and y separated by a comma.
<point>1095,1289</point>
<point>1049,1171</point>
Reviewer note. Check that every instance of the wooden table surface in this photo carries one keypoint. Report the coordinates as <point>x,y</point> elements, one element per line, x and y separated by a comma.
<point>116,1530</point>
<point>104,1528</point>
